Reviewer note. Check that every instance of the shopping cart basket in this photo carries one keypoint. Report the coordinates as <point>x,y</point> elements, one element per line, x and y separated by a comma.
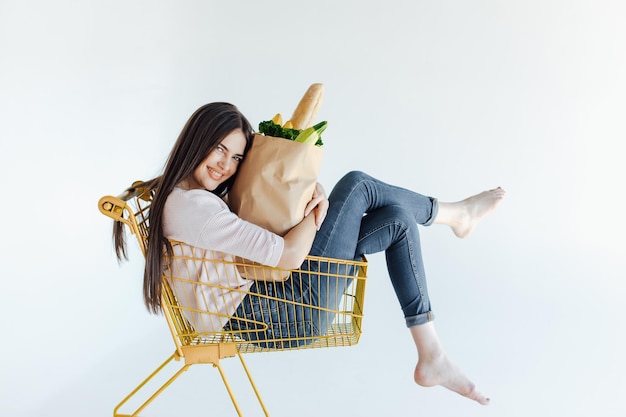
<point>196,276</point>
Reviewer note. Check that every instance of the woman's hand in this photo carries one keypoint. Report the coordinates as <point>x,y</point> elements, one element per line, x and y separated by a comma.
<point>319,203</point>
<point>299,239</point>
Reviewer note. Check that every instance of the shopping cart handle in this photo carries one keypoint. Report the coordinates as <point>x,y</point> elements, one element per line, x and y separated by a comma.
<point>113,207</point>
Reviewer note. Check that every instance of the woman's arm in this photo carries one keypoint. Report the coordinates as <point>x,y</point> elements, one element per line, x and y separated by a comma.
<point>318,202</point>
<point>299,239</point>
<point>298,242</point>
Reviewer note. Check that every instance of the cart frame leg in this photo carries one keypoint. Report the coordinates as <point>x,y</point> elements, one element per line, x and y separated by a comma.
<point>178,373</point>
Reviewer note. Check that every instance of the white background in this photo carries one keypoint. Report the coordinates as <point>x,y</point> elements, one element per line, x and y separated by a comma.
<point>445,97</point>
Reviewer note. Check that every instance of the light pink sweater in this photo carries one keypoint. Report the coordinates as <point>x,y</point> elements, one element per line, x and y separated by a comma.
<point>204,221</point>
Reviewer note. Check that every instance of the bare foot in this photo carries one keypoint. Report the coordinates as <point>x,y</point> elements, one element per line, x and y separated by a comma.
<point>439,370</point>
<point>464,215</point>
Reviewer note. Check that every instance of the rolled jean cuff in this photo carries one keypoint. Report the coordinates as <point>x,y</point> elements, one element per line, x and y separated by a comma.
<point>433,212</point>
<point>420,319</point>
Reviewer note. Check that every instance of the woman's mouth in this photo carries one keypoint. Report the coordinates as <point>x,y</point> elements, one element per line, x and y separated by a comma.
<point>215,174</point>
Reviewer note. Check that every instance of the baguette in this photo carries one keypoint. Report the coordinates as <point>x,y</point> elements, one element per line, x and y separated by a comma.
<point>304,114</point>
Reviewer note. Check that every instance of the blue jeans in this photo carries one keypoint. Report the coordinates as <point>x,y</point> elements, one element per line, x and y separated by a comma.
<point>365,216</point>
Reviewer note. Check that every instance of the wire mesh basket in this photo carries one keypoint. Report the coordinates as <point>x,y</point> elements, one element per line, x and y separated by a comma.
<point>318,305</point>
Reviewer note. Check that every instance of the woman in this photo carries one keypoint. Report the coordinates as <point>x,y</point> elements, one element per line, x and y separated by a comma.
<point>361,216</point>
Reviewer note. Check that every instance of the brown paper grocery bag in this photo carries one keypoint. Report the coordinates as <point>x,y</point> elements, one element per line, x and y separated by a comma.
<point>275,182</point>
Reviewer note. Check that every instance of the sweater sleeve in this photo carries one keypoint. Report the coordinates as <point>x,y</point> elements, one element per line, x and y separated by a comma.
<point>202,219</point>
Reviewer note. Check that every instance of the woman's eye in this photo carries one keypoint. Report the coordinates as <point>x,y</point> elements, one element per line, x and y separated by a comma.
<point>238,158</point>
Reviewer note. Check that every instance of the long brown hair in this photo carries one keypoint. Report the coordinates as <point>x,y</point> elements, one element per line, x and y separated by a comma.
<point>204,130</point>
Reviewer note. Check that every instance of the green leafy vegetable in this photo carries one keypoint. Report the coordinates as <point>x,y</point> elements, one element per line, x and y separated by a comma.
<point>269,128</point>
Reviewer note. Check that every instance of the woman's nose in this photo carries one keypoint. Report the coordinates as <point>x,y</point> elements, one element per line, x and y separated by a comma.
<point>224,162</point>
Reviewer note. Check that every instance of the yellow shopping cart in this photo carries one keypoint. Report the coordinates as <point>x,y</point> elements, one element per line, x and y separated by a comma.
<point>200,336</point>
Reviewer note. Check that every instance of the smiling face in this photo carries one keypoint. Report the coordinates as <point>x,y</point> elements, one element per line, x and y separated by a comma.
<point>221,163</point>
